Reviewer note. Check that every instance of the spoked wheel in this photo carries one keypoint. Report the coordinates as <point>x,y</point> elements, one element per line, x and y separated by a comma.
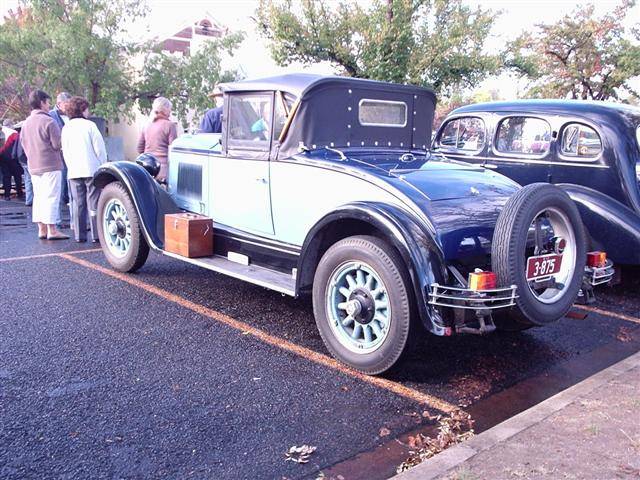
<point>539,245</point>
<point>362,303</point>
<point>119,229</point>
<point>358,307</point>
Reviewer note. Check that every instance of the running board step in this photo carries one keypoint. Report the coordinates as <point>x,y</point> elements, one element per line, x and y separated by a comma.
<point>265,277</point>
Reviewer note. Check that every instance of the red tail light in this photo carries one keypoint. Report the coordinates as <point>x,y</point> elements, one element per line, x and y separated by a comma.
<point>597,259</point>
<point>482,281</point>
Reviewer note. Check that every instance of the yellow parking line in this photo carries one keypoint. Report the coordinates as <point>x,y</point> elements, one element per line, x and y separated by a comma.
<point>607,313</point>
<point>44,255</point>
<point>280,343</point>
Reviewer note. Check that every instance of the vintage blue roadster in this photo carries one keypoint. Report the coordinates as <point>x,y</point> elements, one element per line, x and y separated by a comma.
<point>325,185</point>
<point>589,149</point>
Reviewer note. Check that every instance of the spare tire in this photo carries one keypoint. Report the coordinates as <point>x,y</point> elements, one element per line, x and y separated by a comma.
<point>539,231</point>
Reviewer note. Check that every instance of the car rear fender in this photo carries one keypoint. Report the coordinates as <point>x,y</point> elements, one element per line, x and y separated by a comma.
<point>612,226</point>
<point>151,201</point>
<point>420,252</point>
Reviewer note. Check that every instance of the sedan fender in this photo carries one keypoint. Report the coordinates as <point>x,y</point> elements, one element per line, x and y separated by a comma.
<point>151,201</point>
<point>421,254</point>
<point>613,226</point>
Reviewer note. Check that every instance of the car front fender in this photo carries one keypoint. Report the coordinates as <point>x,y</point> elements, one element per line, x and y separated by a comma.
<point>420,252</point>
<point>612,226</point>
<point>152,202</point>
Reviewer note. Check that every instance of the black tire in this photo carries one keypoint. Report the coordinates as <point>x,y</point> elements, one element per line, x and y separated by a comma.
<point>138,250</point>
<point>508,255</point>
<point>387,263</point>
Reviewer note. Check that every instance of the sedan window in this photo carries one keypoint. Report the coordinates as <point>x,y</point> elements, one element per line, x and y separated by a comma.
<point>466,133</point>
<point>580,141</point>
<point>526,135</point>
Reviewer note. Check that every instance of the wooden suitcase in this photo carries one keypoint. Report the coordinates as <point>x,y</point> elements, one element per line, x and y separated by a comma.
<point>188,234</point>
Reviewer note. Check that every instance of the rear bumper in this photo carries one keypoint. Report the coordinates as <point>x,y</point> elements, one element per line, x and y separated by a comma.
<point>467,299</point>
<point>599,275</point>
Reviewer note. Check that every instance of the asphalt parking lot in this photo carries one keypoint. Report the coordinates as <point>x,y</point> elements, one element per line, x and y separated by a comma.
<point>177,372</point>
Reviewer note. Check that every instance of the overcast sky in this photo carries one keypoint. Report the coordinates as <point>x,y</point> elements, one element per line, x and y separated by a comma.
<point>254,58</point>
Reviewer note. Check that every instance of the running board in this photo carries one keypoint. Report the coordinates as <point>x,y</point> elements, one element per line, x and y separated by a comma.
<point>278,281</point>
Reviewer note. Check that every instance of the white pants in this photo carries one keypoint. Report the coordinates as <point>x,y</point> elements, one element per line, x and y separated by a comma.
<point>47,190</point>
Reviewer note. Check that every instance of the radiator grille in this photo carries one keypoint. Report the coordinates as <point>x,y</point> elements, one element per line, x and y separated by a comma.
<point>190,181</point>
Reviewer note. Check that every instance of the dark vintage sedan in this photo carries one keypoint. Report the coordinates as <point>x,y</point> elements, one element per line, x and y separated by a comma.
<point>325,185</point>
<point>589,149</point>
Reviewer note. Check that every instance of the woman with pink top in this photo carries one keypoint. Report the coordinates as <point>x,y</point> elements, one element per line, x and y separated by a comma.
<point>156,137</point>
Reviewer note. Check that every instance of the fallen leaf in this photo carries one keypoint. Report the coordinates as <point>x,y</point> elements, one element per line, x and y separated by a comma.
<point>624,334</point>
<point>299,454</point>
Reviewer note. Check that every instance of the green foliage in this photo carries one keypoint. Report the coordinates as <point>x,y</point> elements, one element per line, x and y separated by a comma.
<point>187,81</point>
<point>82,46</point>
<point>580,56</point>
<point>437,43</point>
<point>73,45</point>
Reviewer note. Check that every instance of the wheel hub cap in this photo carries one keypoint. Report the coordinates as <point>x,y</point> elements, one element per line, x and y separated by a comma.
<point>358,307</point>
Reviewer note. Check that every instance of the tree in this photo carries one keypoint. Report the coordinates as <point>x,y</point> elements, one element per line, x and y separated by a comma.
<point>74,45</point>
<point>580,56</point>
<point>187,80</point>
<point>437,43</point>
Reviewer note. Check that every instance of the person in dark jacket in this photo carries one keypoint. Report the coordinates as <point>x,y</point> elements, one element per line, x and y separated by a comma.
<point>60,117</point>
<point>212,120</point>
<point>9,163</point>
<point>18,152</point>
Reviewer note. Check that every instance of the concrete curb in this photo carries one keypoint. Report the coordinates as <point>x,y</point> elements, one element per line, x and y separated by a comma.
<point>453,457</point>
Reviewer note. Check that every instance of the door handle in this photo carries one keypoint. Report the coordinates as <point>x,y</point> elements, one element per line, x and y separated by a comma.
<point>261,180</point>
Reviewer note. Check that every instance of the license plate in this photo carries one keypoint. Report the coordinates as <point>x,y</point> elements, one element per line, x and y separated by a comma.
<point>543,266</point>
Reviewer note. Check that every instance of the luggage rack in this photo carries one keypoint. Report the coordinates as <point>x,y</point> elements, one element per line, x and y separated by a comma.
<point>599,275</point>
<point>467,299</point>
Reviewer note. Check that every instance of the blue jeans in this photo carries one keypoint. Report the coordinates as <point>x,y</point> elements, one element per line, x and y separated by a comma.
<point>28,186</point>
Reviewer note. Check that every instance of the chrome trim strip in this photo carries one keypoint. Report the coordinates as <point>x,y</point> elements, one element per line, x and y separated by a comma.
<point>230,232</point>
<point>269,247</point>
<point>239,276</point>
<point>523,160</point>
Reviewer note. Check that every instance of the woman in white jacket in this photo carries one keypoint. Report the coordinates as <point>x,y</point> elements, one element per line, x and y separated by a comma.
<point>84,151</point>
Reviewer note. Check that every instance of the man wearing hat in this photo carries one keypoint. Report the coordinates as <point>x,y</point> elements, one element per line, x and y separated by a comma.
<point>212,120</point>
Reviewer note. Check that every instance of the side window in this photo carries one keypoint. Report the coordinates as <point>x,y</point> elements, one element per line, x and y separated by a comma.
<point>580,141</point>
<point>527,135</point>
<point>284,104</point>
<point>250,120</point>
<point>467,134</point>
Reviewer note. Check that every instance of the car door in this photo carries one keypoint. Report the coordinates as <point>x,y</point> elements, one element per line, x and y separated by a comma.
<point>240,182</point>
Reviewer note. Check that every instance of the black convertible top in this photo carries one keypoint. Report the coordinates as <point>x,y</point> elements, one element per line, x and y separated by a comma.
<point>328,111</point>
